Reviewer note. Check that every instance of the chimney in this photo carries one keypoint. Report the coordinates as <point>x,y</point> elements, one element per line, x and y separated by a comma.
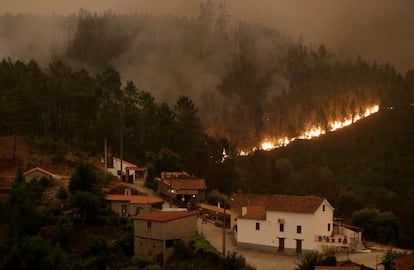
<point>244,210</point>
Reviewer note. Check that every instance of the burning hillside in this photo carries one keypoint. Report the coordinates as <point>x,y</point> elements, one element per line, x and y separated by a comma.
<point>314,131</point>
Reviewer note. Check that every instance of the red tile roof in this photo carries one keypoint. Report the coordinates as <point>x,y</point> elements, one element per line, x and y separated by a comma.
<point>180,184</point>
<point>405,263</point>
<point>178,175</point>
<point>254,212</point>
<point>213,208</point>
<point>164,216</point>
<point>187,191</point>
<point>337,267</point>
<point>133,199</point>
<point>276,202</point>
<point>40,170</point>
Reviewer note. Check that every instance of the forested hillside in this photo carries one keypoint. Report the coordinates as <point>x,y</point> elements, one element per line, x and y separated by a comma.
<point>175,92</point>
<point>248,82</point>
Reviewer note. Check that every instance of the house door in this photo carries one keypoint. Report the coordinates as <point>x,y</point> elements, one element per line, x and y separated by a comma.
<point>281,245</point>
<point>298,246</point>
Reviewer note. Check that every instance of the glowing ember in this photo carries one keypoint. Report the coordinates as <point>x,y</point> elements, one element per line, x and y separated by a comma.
<point>269,144</point>
<point>266,145</point>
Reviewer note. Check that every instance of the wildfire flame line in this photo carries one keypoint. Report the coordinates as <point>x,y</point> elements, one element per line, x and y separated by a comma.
<point>316,131</point>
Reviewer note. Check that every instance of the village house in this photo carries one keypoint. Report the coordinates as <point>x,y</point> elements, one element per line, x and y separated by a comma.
<point>128,172</point>
<point>127,200</point>
<point>283,223</point>
<point>38,173</point>
<point>182,187</point>
<point>126,205</point>
<point>155,232</point>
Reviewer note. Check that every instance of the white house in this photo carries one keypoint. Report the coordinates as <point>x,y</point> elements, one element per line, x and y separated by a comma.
<point>281,223</point>
<point>130,172</point>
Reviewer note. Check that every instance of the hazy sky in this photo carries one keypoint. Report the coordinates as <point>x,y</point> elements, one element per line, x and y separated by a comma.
<point>375,29</point>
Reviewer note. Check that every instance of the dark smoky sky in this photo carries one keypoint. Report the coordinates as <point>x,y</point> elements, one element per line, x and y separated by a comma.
<point>381,30</point>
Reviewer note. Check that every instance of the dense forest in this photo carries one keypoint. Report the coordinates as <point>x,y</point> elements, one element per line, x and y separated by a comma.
<point>175,92</point>
<point>248,82</point>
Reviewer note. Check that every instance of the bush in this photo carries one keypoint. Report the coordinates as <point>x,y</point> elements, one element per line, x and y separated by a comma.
<point>142,261</point>
<point>308,261</point>
<point>97,245</point>
<point>62,193</point>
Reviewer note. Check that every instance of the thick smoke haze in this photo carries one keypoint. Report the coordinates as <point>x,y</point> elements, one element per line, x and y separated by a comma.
<point>378,30</point>
<point>225,57</point>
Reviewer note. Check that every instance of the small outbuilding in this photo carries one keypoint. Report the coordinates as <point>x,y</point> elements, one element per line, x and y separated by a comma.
<point>155,232</point>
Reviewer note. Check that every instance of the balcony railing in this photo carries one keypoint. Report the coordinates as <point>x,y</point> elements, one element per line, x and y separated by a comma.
<point>333,240</point>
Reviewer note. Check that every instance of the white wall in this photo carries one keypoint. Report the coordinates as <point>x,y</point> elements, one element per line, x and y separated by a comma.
<point>311,226</point>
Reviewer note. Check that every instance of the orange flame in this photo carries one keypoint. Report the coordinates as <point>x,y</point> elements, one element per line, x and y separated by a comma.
<point>316,131</point>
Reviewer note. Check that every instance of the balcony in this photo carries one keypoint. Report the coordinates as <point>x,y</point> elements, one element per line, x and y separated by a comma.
<point>337,243</point>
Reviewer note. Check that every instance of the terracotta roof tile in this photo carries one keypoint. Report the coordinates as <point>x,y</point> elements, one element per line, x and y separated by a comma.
<point>213,208</point>
<point>133,199</point>
<point>405,263</point>
<point>178,175</point>
<point>164,216</point>
<point>337,267</point>
<point>178,184</point>
<point>276,202</point>
<point>255,212</point>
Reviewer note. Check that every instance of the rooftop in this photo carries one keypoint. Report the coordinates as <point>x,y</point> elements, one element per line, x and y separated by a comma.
<point>337,267</point>
<point>164,216</point>
<point>134,199</point>
<point>277,202</point>
<point>178,175</point>
<point>213,208</point>
<point>38,169</point>
<point>255,212</point>
<point>405,263</point>
<point>191,184</point>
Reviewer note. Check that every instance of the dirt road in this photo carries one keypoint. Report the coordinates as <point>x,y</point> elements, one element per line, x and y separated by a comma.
<point>271,261</point>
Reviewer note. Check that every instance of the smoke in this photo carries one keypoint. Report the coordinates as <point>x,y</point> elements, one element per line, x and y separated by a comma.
<point>377,30</point>
<point>27,37</point>
<point>169,53</point>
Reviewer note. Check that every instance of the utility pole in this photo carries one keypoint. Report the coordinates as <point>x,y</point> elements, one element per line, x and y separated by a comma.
<point>14,145</point>
<point>224,228</point>
<point>122,143</point>
<point>106,157</point>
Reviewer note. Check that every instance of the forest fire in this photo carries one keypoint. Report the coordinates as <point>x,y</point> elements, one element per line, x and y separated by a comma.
<point>316,131</point>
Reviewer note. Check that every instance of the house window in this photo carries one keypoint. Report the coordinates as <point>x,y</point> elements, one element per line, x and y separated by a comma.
<point>323,208</point>
<point>298,229</point>
<point>281,227</point>
<point>149,224</point>
<point>329,227</point>
<point>123,210</point>
<point>257,226</point>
